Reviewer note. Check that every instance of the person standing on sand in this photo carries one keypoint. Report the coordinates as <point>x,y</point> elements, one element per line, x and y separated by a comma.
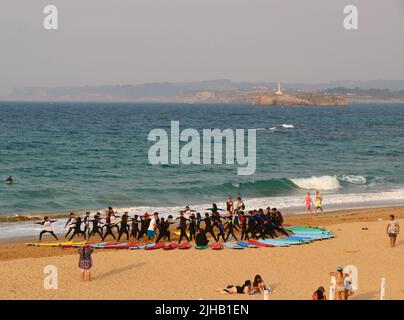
<point>308,203</point>
<point>392,230</point>
<point>152,229</point>
<point>70,223</point>
<point>85,261</point>
<point>340,290</point>
<point>318,203</point>
<point>47,228</point>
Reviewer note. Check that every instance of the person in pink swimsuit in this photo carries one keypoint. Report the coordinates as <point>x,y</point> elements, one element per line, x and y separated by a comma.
<point>308,203</point>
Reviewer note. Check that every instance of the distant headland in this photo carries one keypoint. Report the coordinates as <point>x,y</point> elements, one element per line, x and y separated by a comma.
<point>337,93</point>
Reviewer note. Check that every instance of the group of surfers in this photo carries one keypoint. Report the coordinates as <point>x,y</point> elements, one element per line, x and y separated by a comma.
<point>191,225</point>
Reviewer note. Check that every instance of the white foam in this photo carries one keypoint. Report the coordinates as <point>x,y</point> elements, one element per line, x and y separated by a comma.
<point>354,179</point>
<point>287,125</point>
<point>318,183</point>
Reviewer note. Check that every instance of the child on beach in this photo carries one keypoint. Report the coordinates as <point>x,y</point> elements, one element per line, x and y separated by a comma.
<point>392,230</point>
<point>85,261</point>
<point>47,228</point>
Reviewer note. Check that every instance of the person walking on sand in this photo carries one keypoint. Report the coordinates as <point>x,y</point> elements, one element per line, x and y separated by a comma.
<point>318,203</point>
<point>340,291</point>
<point>392,230</point>
<point>85,261</point>
<point>308,201</point>
<point>47,228</point>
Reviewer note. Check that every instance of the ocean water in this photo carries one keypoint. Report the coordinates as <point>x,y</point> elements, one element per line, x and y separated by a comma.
<point>87,156</point>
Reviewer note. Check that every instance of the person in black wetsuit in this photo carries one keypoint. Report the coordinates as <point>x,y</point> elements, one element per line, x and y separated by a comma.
<point>135,228</point>
<point>144,225</point>
<point>77,229</point>
<point>243,226</point>
<point>70,223</point>
<point>96,226</point>
<point>47,228</point>
<point>198,220</point>
<point>108,227</point>
<point>251,226</point>
<point>86,221</point>
<point>164,229</point>
<point>218,224</point>
<point>192,227</point>
<point>230,227</point>
<point>124,226</point>
<point>201,240</point>
<point>182,226</point>
<point>208,226</point>
<point>9,179</point>
<point>278,222</point>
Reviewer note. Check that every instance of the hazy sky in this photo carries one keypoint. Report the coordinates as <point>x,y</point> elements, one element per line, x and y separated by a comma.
<point>135,41</point>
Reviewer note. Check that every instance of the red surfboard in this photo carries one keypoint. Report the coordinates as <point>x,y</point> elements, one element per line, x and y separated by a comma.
<point>217,246</point>
<point>185,245</point>
<point>257,243</point>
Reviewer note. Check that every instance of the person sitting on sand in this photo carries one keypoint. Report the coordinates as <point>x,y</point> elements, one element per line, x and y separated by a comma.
<point>392,230</point>
<point>231,289</point>
<point>47,228</point>
<point>340,276</point>
<point>319,294</point>
<point>201,240</point>
<point>85,261</point>
<point>258,285</point>
<point>308,203</point>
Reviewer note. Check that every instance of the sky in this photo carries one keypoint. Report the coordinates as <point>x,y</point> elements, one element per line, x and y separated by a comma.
<point>107,42</point>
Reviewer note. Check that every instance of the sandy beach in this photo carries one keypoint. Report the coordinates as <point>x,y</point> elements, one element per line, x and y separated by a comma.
<point>293,272</point>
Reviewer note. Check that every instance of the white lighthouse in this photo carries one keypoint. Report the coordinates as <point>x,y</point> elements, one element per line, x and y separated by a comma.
<point>279,92</point>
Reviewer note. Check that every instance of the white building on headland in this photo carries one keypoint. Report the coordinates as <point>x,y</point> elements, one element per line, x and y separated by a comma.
<point>279,92</point>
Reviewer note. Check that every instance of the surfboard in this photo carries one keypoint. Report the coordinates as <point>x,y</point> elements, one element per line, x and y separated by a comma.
<point>201,247</point>
<point>155,247</point>
<point>51,244</point>
<point>233,246</point>
<point>170,246</point>
<point>260,244</point>
<point>185,245</point>
<point>246,245</point>
<point>274,243</point>
<point>217,246</point>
